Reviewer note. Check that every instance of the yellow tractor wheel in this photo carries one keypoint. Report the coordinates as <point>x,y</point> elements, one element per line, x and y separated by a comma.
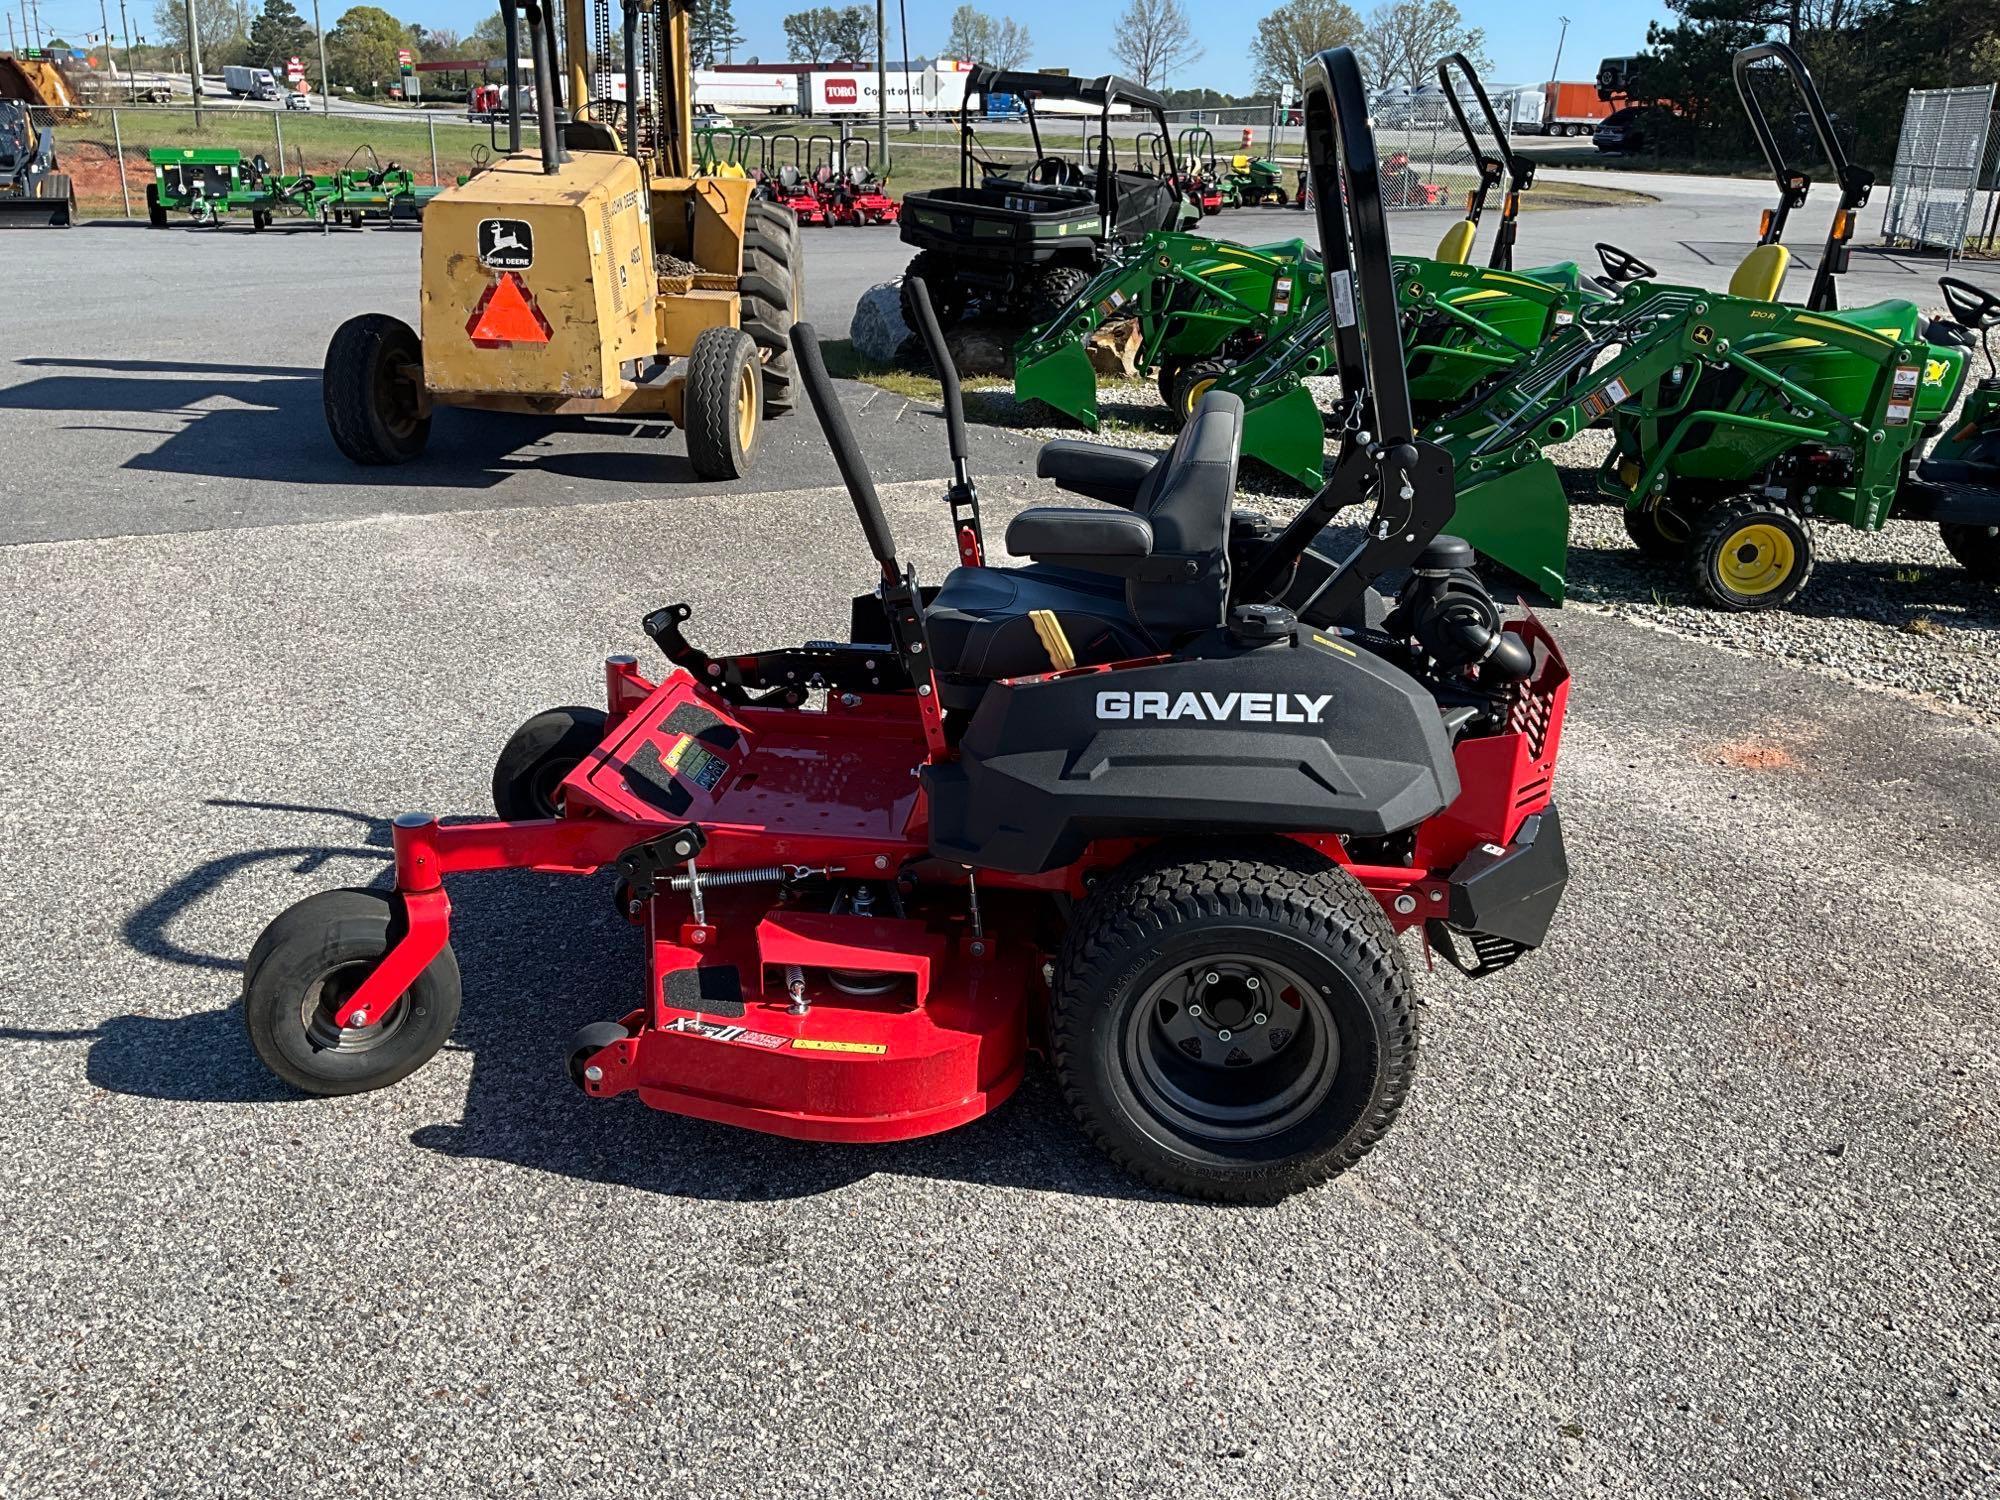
<point>1751,554</point>
<point>723,403</point>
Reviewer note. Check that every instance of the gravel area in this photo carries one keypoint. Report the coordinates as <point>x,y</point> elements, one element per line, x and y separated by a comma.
<point>1890,609</point>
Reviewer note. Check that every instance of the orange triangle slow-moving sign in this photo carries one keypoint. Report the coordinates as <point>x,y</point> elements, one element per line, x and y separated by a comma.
<point>507,314</point>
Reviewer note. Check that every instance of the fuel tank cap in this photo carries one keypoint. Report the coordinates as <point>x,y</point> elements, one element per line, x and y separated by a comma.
<point>1259,624</point>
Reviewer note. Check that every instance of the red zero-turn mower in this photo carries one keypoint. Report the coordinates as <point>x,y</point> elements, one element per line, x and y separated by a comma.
<point>1156,804</point>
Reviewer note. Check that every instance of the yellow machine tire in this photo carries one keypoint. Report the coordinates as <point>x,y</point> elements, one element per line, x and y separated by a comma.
<point>771,289</point>
<point>1751,554</point>
<point>373,409</point>
<point>1664,532</point>
<point>1977,548</point>
<point>1191,382</point>
<point>723,404</point>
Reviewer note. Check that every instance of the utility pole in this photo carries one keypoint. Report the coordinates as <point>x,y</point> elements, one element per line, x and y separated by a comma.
<point>1561,37</point>
<point>36,7</point>
<point>194,60</point>
<point>882,85</point>
<point>125,25</point>
<point>325,82</point>
<point>105,20</point>
<point>10,31</point>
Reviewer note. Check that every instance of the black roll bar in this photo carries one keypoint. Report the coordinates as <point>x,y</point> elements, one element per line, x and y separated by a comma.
<point>1855,181</point>
<point>1519,170</point>
<point>1380,455</point>
<point>510,23</point>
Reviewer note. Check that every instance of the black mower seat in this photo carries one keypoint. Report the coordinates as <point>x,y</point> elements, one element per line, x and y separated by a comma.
<point>1105,585</point>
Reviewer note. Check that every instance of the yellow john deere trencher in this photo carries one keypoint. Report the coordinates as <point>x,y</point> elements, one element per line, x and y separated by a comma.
<point>595,275</point>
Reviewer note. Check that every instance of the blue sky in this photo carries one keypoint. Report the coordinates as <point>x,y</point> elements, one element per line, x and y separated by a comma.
<point>1520,37</point>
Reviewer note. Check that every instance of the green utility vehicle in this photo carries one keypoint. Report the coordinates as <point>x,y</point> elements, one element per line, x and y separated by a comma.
<point>1022,241</point>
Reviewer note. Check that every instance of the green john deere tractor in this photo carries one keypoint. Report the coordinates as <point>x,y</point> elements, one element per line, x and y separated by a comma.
<point>1256,320</point>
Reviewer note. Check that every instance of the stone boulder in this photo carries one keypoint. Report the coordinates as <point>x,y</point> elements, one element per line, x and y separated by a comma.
<point>878,331</point>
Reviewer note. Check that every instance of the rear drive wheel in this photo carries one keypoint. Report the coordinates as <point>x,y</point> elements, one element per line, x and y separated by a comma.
<point>1053,289</point>
<point>939,275</point>
<point>372,388</point>
<point>1193,380</point>
<point>1976,547</point>
<point>1663,532</point>
<point>1751,554</point>
<point>311,961</point>
<point>156,211</point>
<point>537,758</point>
<point>1233,1024</point>
<point>1278,197</point>
<point>722,403</point>
<point>772,295</point>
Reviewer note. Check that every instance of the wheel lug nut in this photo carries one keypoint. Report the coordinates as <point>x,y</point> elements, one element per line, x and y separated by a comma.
<point>1222,1035</point>
<point>1260,1018</point>
<point>1194,1010</point>
<point>1252,981</point>
<point>1211,978</point>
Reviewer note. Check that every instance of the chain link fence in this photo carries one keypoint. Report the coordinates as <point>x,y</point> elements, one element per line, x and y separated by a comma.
<point>104,149</point>
<point>1939,156</point>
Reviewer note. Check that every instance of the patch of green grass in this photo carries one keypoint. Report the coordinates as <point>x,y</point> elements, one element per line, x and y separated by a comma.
<point>845,362</point>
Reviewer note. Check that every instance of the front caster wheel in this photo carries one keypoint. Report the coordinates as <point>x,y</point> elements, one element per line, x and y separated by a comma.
<point>308,963</point>
<point>1750,554</point>
<point>539,755</point>
<point>592,1039</point>
<point>1234,1024</point>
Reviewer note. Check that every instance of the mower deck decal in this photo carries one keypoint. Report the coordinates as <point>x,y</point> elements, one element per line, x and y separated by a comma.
<point>506,314</point>
<point>814,1044</point>
<point>742,1036</point>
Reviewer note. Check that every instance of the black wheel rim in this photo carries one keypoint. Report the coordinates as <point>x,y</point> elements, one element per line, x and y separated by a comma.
<point>322,1000</point>
<point>1231,1048</point>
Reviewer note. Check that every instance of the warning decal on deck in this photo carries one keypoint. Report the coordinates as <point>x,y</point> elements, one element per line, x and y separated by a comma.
<point>812,1044</point>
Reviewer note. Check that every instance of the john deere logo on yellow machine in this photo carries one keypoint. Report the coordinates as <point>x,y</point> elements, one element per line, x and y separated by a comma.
<point>506,244</point>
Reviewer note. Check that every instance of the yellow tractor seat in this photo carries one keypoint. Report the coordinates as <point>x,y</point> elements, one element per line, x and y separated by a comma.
<point>1762,275</point>
<point>1240,161</point>
<point>1456,246</point>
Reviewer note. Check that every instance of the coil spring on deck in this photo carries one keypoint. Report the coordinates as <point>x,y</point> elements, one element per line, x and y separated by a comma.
<point>762,875</point>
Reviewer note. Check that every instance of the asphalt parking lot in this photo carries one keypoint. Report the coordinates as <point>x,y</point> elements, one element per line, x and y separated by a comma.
<point>1696,1202</point>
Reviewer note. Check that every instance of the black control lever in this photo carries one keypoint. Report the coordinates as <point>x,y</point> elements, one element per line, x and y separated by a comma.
<point>963,496</point>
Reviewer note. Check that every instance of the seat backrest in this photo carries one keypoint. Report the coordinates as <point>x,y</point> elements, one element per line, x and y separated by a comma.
<point>1188,508</point>
<point>1762,275</point>
<point>1456,246</point>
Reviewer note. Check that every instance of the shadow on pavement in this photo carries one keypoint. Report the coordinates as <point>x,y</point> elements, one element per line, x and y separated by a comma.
<point>267,423</point>
<point>541,956</point>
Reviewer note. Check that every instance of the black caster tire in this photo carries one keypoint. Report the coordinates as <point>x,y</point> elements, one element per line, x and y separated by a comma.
<point>722,404</point>
<point>305,966</point>
<point>374,405</point>
<point>539,755</point>
<point>1977,549</point>
<point>1663,533</point>
<point>589,1040</point>
<point>1750,554</point>
<point>1192,380</point>
<point>630,908</point>
<point>1233,1023</point>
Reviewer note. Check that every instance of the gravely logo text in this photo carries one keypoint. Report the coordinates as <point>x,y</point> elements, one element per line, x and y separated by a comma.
<point>1244,708</point>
